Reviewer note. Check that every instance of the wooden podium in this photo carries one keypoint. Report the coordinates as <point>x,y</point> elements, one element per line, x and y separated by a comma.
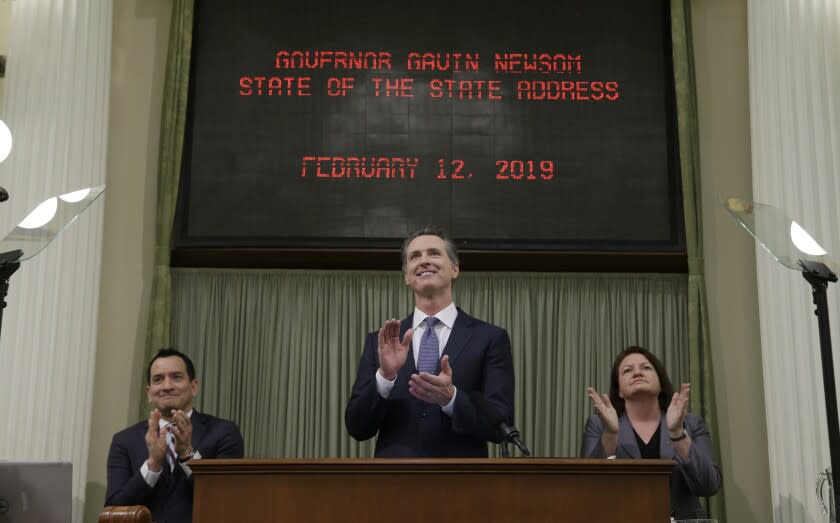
<point>424,490</point>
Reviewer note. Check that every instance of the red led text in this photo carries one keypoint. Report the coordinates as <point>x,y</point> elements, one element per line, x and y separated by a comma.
<point>546,63</point>
<point>453,171</point>
<point>552,90</point>
<point>455,62</point>
<point>396,87</point>
<point>332,60</point>
<point>275,86</point>
<point>524,170</point>
<point>339,86</point>
<point>465,89</point>
<point>347,167</point>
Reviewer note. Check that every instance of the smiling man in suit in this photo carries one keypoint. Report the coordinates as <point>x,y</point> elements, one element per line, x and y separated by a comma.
<point>416,376</point>
<point>148,463</point>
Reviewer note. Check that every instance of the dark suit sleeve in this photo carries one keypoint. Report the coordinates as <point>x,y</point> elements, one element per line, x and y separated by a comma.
<point>126,485</point>
<point>217,438</point>
<point>498,388</point>
<point>592,432</point>
<point>701,471</point>
<point>224,440</point>
<point>366,409</point>
<point>230,443</point>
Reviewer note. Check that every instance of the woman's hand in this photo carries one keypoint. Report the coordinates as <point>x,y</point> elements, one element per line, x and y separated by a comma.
<point>605,410</point>
<point>609,418</point>
<point>675,417</point>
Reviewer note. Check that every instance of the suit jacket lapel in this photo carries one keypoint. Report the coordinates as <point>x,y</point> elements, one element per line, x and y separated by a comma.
<point>461,333</point>
<point>627,438</point>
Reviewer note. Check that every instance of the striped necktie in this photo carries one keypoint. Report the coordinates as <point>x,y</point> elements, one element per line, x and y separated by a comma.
<point>171,456</point>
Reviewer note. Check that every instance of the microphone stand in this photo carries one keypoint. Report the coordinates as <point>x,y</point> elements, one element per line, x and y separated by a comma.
<point>514,438</point>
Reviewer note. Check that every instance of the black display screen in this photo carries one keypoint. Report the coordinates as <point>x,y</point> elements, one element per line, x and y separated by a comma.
<point>540,126</point>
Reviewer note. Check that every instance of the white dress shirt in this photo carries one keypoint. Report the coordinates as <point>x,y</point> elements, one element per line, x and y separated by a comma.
<point>443,329</point>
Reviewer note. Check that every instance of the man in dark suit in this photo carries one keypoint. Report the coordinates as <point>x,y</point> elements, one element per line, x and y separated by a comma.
<point>416,377</point>
<point>148,463</point>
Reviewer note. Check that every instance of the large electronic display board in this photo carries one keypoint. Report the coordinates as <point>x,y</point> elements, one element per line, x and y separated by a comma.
<point>528,125</point>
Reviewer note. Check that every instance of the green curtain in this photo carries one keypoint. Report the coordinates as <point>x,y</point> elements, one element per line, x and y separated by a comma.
<point>699,348</point>
<point>277,350</point>
<point>173,118</point>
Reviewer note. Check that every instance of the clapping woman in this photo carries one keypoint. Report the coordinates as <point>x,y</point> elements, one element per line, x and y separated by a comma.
<point>642,417</point>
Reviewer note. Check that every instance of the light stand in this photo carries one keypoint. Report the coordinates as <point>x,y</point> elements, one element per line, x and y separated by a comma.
<point>789,244</point>
<point>818,275</point>
<point>9,263</point>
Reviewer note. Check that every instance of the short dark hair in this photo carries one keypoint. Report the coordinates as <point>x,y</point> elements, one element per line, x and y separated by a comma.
<point>666,388</point>
<point>166,353</point>
<point>430,230</point>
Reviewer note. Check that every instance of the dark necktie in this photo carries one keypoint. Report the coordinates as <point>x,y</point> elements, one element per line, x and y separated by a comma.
<point>429,357</point>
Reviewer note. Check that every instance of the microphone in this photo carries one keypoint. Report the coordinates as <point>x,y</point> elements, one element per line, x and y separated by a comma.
<point>497,420</point>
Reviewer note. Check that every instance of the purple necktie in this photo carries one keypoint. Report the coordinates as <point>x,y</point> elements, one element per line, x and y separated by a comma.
<point>429,357</point>
<point>170,446</point>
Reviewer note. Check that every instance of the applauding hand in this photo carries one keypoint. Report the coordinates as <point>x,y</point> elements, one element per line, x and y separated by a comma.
<point>392,351</point>
<point>675,417</point>
<point>155,442</point>
<point>604,409</point>
<point>433,388</point>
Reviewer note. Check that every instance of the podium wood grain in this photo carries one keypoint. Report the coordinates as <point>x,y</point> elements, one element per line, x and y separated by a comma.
<point>415,490</point>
